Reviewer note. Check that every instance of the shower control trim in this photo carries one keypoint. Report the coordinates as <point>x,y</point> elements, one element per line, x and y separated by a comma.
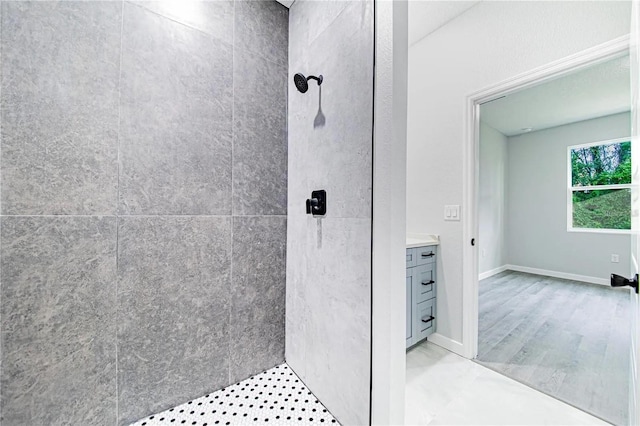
<point>317,204</point>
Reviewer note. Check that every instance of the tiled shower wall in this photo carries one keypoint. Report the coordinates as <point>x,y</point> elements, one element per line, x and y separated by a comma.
<point>143,202</point>
<point>329,258</point>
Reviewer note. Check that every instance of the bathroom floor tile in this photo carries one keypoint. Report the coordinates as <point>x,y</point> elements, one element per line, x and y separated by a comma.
<point>276,396</point>
<point>443,388</point>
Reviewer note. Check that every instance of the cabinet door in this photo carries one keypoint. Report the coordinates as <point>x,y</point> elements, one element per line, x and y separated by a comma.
<point>409,289</point>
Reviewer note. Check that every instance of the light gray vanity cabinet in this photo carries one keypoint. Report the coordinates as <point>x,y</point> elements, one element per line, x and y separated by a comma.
<point>421,293</point>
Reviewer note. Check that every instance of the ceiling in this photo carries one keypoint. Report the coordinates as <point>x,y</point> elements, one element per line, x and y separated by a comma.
<point>286,3</point>
<point>597,91</point>
<point>426,16</point>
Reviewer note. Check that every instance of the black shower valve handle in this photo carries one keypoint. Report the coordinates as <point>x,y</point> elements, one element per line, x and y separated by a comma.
<point>317,204</point>
<point>311,204</point>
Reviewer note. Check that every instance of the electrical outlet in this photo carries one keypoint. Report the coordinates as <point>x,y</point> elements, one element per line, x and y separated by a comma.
<point>615,258</point>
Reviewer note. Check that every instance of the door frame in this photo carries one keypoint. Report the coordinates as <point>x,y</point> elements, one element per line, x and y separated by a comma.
<point>634,52</point>
<point>470,226</point>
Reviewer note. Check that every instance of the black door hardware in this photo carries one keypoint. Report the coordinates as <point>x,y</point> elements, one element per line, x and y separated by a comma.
<point>473,241</point>
<point>317,204</point>
<point>428,282</point>
<point>430,254</point>
<point>619,281</point>
<point>431,318</point>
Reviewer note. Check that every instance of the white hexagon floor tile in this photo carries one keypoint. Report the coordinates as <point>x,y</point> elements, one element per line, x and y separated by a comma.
<point>276,396</point>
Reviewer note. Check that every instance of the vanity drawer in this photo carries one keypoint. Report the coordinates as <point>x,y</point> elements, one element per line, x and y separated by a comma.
<point>425,319</point>
<point>424,278</point>
<point>425,255</point>
<point>411,257</point>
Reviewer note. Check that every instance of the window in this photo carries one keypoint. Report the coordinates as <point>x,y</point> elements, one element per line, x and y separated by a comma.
<point>599,195</point>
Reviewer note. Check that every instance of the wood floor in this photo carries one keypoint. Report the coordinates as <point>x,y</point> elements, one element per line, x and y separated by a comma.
<point>568,339</point>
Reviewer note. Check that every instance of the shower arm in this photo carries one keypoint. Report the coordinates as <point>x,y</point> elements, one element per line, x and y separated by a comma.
<point>318,79</point>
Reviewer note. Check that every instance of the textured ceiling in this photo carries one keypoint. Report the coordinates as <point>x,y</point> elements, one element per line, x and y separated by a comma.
<point>426,16</point>
<point>597,91</point>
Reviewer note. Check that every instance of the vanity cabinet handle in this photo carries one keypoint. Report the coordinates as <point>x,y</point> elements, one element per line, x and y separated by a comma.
<point>431,318</point>
<point>430,254</point>
<point>428,282</point>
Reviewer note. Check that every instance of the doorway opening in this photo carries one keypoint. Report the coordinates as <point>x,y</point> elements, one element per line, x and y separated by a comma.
<point>538,309</point>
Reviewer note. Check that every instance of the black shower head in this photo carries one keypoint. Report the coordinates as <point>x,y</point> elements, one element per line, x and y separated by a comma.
<point>302,82</point>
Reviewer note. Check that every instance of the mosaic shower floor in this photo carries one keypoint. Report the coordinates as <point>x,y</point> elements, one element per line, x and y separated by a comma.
<point>276,396</point>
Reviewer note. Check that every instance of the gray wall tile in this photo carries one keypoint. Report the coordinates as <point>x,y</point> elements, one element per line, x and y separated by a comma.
<point>337,339</point>
<point>312,18</point>
<point>340,149</point>
<point>176,102</point>
<point>260,136</point>
<point>213,17</point>
<point>328,322</point>
<point>173,311</point>
<point>261,27</point>
<point>170,317</point>
<point>296,305</point>
<point>328,325</point>
<point>58,328</point>
<point>59,107</point>
<point>258,295</point>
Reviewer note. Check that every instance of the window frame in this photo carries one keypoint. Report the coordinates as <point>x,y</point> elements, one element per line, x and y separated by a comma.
<point>571,189</point>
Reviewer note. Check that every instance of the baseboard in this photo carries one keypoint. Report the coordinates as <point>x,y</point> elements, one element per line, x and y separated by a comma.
<point>556,274</point>
<point>448,344</point>
<point>492,272</point>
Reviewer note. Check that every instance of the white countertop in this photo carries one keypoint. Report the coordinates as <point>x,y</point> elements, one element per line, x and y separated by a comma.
<point>421,240</point>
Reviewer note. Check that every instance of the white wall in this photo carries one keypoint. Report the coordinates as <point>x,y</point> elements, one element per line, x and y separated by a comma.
<point>389,214</point>
<point>487,44</point>
<point>537,208</point>
<point>492,199</point>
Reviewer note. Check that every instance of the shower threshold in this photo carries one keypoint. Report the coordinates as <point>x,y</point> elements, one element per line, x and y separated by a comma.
<point>276,396</point>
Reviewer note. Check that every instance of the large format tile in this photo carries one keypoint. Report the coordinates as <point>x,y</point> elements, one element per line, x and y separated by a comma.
<point>428,364</point>
<point>260,136</point>
<point>310,18</point>
<point>173,311</point>
<point>338,338</point>
<point>330,127</point>
<point>258,295</point>
<point>262,28</point>
<point>328,327</point>
<point>445,389</point>
<point>213,17</point>
<point>296,306</point>
<point>176,130</point>
<point>60,107</point>
<point>336,289</point>
<point>58,321</point>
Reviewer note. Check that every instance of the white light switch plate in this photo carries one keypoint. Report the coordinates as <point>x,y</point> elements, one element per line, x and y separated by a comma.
<point>452,212</point>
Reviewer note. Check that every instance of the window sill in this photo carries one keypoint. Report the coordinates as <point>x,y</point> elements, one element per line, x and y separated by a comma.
<point>602,231</point>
